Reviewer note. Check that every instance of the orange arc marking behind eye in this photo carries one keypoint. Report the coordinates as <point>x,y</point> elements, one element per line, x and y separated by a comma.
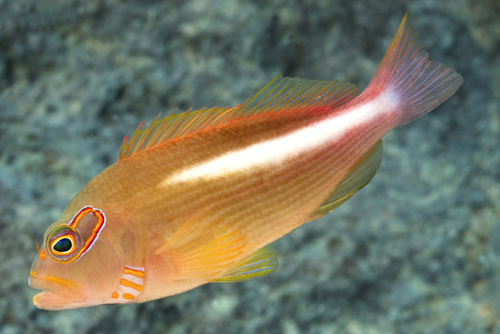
<point>128,296</point>
<point>97,227</point>
<point>101,220</point>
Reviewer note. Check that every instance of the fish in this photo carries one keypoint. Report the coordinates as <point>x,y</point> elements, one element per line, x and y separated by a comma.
<point>197,197</point>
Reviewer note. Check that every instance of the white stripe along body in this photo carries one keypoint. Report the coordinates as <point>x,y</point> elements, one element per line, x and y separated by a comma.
<point>196,197</point>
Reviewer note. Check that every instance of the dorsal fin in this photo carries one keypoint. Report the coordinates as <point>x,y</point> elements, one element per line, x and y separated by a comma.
<point>363,171</point>
<point>279,95</point>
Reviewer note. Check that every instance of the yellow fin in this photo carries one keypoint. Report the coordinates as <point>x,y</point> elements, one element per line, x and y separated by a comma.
<point>258,264</point>
<point>363,171</point>
<point>280,94</point>
<point>283,93</point>
<point>203,248</point>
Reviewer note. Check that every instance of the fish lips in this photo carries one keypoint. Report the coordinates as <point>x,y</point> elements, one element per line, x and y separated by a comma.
<point>58,293</point>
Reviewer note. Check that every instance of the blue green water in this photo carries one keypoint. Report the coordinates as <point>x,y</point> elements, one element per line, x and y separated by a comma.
<point>416,251</point>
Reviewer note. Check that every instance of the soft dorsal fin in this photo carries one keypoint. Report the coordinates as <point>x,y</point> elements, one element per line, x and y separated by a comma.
<point>279,95</point>
<point>363,171</point>
<point>258,264</point>
<point>203,248</point>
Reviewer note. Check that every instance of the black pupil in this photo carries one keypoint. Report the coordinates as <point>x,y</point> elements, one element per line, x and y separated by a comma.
<point>63,245</point>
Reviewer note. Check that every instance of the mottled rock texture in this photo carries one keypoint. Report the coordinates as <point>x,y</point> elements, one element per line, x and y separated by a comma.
<point>416,251</point>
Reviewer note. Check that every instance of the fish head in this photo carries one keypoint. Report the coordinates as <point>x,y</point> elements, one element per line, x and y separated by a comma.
<point>77,265</point>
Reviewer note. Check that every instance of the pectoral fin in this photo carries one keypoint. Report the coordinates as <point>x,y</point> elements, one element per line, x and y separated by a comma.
<point>258,264</point>
<point>364,170</point>
<point>203,248</point>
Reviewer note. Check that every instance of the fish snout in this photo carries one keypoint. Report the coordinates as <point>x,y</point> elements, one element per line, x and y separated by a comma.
<point>57,293</point>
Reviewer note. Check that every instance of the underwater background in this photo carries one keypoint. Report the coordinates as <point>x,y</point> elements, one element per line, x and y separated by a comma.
<point>416,251</point>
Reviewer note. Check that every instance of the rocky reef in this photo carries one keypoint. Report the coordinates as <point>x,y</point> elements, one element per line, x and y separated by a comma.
<point>416,251</point>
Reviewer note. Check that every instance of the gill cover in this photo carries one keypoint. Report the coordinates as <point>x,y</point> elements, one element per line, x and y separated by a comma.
<point>68,242</point>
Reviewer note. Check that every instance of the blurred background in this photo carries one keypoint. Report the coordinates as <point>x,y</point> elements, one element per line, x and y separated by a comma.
<point>416,251</point>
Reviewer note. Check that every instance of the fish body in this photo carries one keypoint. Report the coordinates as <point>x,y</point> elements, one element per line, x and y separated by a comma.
<point>197,197</point>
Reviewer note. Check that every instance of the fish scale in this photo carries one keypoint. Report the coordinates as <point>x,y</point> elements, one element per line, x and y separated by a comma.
<point>197,197</point>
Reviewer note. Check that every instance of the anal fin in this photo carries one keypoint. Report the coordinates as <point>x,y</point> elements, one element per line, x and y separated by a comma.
<point>363,171</point>
<point>258,264</point>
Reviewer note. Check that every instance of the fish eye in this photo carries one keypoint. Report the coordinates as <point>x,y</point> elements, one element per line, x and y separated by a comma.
<point>63,245</point>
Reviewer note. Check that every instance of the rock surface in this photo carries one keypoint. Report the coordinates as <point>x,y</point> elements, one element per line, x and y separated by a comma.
<point>416,251</point>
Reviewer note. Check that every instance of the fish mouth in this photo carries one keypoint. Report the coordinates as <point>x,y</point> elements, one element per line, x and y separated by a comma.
<point>57,293</point>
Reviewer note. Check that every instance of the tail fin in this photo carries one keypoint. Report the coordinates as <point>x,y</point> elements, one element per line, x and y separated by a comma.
<point>414,84</point>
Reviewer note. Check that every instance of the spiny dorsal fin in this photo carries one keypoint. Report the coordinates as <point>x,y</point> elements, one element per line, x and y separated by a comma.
<point>257,264</point>
<point>363,171</point>
<point>203,248</point>
<point>279,95</point>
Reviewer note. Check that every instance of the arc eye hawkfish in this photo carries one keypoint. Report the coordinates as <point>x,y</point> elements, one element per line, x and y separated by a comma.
<point>197,197</point>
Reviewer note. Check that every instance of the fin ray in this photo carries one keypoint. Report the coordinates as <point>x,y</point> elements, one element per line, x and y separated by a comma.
<point>415,84</point>
<point>363,171</point>
<point>258,264</point>
<point>203,248</point>
<point>279,95</point>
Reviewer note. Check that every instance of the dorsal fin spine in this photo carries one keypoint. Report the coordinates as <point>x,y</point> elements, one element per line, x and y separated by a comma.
<point>148,130</point>
<point>176,121</point>
<point>280,90</point>
<point>313,86</point>
<point>155,134</point>
<point>286,87</point>
<point>294,91</point>
<point>123,147</point>
<point>280,95</point>
<point>133,138</point>
<point>318,86</point>
<point>158,131</point>
<point>250,101</point>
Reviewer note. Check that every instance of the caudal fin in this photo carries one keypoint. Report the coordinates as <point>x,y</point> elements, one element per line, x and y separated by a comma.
<point>414,85</point>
